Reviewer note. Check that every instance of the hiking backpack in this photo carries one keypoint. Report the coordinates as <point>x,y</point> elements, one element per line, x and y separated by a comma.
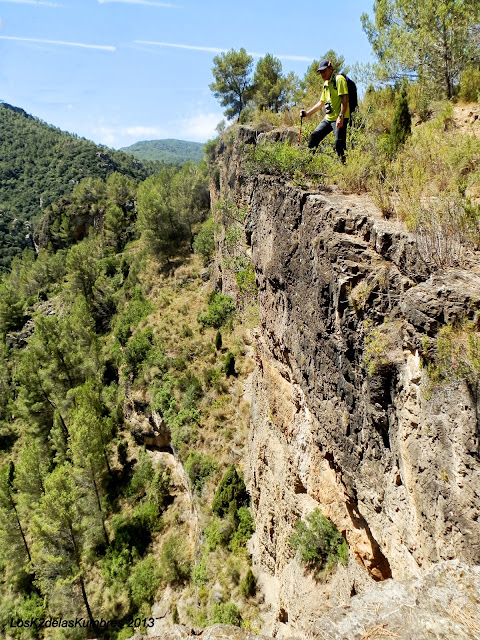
<point>352,92</point>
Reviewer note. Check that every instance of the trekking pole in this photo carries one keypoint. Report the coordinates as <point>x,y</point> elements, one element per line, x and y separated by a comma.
<point>300,132</point>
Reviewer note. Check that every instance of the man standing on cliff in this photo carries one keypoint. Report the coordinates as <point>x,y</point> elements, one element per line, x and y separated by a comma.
<point>337,111</point>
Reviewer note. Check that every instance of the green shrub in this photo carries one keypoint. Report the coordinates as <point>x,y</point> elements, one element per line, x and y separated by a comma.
<point>319,543</point>
<point>221,309</point>
<point>229,365</point>
<point>219,533</point>
<point>245,277</point>
<point>136,310</point>
<point>117,565</point>
<point>163,400</point>
<point>183,426</point>
<point>137,350</point>
<point>230,495</point>
<point>245,529</point>
<point>458,352</point>
<point>133,533</point>
<point>174,561</point>
<point>158,492</point>
<point>199,467</point>
<point>470,85</point>
<point>204,242</point>
<point>193,390</point>
<point>144,581</point>
<point>142,475</point>
<point>291,162</point>
<point>200,573</point>
<point>248,586</point>
<point>212,377</point>
<point>402,123</point>
<point>226,613</point>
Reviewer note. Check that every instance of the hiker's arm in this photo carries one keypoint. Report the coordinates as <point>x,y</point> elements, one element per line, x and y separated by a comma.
<point>343,111</point>
<point>314,109</point>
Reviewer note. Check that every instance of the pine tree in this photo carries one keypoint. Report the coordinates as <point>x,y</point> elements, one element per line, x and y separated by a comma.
<point>232,87</point>
<point>61,538</point>
<point>272,88</point>
<point>402,123</point>
<point>13,537</point>
<point>90,438</point>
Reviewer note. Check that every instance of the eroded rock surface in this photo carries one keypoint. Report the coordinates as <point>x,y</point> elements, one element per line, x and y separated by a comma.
<point>344,416</point>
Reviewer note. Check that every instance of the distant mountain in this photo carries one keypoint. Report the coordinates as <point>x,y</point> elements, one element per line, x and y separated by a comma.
<point>38,165</point>
<point>170,151</point>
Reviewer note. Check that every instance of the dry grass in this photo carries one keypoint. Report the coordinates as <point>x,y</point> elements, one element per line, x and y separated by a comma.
<point>379,631</point>
<point>467,616</point>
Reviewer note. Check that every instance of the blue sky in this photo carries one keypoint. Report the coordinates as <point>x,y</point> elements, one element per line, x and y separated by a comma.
<point>120,71</point>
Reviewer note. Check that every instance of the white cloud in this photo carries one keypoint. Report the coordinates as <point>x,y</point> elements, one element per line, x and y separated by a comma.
<point>200,127</point>
<point>176,45</point>
<point>181,46</point>
<point>100,47</point>
<point>41,3</point>
<point>148,3</point>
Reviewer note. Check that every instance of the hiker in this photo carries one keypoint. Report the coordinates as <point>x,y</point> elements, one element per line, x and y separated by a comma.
<point>337,111</point>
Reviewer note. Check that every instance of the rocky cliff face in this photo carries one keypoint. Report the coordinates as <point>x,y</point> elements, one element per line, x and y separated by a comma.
<point>344,415</point>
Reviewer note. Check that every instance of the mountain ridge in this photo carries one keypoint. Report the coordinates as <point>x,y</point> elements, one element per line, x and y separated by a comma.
<point>170,150</point>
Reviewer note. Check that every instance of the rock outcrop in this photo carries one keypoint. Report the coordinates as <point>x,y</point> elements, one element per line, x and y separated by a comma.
<point>344,415</point>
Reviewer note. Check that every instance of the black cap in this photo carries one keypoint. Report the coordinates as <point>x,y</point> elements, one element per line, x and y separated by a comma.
<point>324,64</point>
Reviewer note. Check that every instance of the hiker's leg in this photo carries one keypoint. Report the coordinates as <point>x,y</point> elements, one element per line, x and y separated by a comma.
<point>319,134</point>
<point>341,140</point>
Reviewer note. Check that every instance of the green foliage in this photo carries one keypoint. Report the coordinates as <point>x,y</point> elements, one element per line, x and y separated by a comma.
<point>469,89</point>
<point>143,474</point>
<point>137,309</point>
<point>271,89</point>
<point>402,123</point>
<point>430,40</point>
<point>210,148</point>
<point>199,468</point>
<point>458,352</point>
<point>175,563</point>
<point>218,533</point>
<point>245,529</point>
<point>137,350</point>
<point>232,87</point>
<point>157,219</point>
<point>226,613</point>
<point>221,309</point>
<point>289,161</point>
<point>11,308</point>
<point>204,242</point>
<point>248,586</point>
<point>319,543</point>
<point>230,495</point>
<point>144,581</point>
<point>200,573</point>
<point>229,364</point>
<point>168,151</point>
<point>40,164</point>
<point>183,426</point>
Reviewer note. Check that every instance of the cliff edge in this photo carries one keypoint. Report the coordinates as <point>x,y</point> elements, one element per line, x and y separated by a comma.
<point>345,415</point>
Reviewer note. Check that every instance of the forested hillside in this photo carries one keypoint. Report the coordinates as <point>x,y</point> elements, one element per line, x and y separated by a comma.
<point>38,165</point>
<point>111,343</point>
<point>170,151</point>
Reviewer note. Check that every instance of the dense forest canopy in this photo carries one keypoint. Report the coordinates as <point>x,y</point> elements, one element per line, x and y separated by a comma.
<point>169,151</point>
<point>38,165</point>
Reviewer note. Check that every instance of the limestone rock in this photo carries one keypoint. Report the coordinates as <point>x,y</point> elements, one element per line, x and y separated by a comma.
<point>344,416</point>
